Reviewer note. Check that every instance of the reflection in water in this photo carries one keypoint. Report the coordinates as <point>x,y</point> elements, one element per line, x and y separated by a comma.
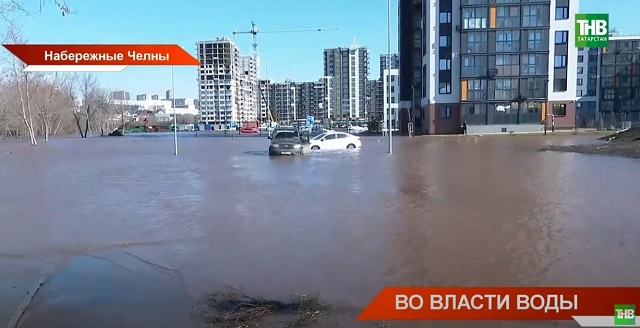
<point>440,211</point>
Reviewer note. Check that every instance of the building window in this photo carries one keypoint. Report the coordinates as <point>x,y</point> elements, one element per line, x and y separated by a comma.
<point>580,70</point>
<point>445,18</point>
<point>534,64</point>
<point>507,41</point>
<point>445,64</point>
<point>506,89</point>
<point>474,66</point>
<point>534,41</point>
<point>560,85</point>
<point>580,82</point>
<point>579,93</point>
<point>444,112</point>
<point>444,41</point>
<point>476,89</point>
<point>507,65</point>
<point>508,16</point>
<point>534,87</point>
<point>580,58</point>
<point>560,109</point>
<point>474,17</point>
<point>562,37</point>
<point>560,61</point>
<point>476,42</point>
<point>609,93</point>
<point>444,88</point>
<point>562,13</point>
<point>533,15</point>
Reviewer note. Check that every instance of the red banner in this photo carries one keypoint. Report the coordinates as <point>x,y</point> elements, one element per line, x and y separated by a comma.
<point>101,54</point>
<point>497,303</point>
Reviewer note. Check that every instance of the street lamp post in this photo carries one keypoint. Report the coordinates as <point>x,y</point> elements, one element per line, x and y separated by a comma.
<point>389,73</point>
<point>175,117</point>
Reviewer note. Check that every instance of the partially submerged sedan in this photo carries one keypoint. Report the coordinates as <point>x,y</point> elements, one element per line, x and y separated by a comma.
<point>334,141</point>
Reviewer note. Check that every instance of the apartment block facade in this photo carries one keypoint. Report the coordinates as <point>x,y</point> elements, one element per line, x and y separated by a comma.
<point>609,83</point>
<point>310,99</point>
<point>390,95</point>
<point>227,83</point>
<point>386,61</point>
<point>349,69</point>
<point>291,101</point>
<point>247,109</point>
<point>375,99</point>
<point>499,65</point>
<point>265,100</point>
<point>587,85</point>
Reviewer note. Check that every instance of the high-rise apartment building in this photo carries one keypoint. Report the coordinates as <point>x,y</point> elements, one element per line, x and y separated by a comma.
<point>266,100</point>
<point>501,66</point>
<point>248,89</point>
<point>608,81</point>
<point>349,70</point>
<point>291,101</point>
<point>390,95</point>
<point>310,98</point>
<point>227,83</point>
<point>120,95</point>
<point>375,106</point>
<point>587,87</point>
<point>282,96</point>
<point>386,60</point>
<point>218,81</point>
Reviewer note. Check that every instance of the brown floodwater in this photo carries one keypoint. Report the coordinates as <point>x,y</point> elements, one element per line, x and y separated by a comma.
<point>130,235</point>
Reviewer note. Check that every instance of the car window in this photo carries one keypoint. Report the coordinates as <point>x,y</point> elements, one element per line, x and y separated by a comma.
<point>342,135</point>
<point>331,136</point>
<point>320,136</point>
<point>286,135</point>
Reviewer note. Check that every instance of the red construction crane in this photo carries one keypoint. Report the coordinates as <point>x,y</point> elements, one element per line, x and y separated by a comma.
<point>254,31</point>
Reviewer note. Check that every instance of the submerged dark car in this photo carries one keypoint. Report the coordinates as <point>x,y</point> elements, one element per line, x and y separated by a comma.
<point>285,142</point>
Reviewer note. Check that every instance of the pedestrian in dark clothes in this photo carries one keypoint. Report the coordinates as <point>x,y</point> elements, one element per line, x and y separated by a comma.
<point>464,127</point>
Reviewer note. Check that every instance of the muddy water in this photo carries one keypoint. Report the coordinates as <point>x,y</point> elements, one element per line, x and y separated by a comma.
<point>111,220</point>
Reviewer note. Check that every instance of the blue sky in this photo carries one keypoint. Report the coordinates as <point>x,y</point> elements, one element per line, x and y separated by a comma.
<point>294,55</point>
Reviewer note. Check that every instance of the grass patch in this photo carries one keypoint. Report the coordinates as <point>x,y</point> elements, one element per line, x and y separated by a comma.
<point>230,310</point>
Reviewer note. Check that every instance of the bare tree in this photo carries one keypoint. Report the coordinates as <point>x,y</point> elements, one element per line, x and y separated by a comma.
<point>85,91</point>
<point>10,7</point>
<point>21,80</point>
<point>107,112</point>
<point>49,102</point>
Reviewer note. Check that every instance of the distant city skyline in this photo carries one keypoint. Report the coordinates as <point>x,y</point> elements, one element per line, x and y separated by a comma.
<point>296,55</point>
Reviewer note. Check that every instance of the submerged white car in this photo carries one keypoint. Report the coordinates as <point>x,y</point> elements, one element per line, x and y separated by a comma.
<point>334,141</point>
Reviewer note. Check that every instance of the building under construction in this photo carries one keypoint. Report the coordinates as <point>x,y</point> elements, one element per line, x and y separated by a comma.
<point>226,83</point>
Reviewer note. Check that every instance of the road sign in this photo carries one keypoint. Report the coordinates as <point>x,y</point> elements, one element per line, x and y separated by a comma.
<point>310,120</point>
<point>232,124</point>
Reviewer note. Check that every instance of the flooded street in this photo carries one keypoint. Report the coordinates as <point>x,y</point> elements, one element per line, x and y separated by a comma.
<point>122,226</point>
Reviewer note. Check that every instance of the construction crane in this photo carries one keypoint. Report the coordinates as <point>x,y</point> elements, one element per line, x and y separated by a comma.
<point>254,32</point>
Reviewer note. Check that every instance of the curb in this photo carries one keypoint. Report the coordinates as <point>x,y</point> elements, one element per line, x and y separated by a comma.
<point>13,322</point>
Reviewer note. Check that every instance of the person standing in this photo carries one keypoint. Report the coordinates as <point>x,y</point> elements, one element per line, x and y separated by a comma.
<point>464,128</point>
